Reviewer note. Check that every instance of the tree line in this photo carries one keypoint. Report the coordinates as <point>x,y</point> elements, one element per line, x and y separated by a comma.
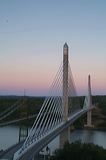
<point>79,151</point>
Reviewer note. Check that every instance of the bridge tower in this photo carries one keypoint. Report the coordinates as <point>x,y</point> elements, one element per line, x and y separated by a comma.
<point>64,136</point>
<point>65,82</point>
<point>23,126</point>
<point>89,113</point>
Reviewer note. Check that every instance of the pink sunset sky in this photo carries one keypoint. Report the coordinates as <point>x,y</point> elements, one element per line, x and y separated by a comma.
<point>31,44</point>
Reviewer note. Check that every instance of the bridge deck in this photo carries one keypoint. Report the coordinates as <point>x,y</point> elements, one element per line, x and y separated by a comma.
<point>9,153</point>
<point>35,148</point>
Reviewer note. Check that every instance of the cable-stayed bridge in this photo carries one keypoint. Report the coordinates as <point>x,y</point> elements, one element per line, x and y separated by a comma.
<point>59,110</point>
<point>11,109</point>
<point>17,120</point>
<point>18,106</point>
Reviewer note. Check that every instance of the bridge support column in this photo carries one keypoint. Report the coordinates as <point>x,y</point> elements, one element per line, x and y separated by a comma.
<point>89,113</point>
<point>89,119</point>
<point>23,128</point>
<point>64,136</point>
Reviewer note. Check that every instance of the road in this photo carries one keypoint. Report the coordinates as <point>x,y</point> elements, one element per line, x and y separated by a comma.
<point>8,154</point>
<point>35,147</point>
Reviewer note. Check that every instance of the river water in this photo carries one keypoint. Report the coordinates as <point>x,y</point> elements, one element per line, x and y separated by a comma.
<point>9,136</point>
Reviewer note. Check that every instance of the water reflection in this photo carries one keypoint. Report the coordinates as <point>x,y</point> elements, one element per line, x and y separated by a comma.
<point>89,136</point>
<point>9,136</point>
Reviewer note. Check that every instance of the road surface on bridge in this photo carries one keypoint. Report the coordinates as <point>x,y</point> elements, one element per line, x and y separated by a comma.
<point>9,153</point>
<point>38,146</point>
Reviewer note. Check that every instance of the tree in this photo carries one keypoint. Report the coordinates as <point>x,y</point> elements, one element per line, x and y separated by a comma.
<point>79,151</point>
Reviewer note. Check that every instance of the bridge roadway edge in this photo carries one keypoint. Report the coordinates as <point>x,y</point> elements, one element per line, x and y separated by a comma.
<point>40,145</point>
<point>8,153</point>
<point>43,143</point>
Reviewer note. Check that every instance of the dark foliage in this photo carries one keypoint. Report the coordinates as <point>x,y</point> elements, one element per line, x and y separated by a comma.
<point>79,151</point>
<point>29,105</point>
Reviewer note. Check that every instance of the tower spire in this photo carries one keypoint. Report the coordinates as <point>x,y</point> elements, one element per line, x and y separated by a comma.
<point>65,82</point>
<point>89,113</point>
<point>89,91</point>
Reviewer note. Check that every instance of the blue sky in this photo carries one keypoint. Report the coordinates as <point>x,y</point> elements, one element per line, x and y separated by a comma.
<point>32,34</point>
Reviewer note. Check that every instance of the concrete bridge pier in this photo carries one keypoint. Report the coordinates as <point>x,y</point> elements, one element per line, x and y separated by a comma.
<point>23,130</point>
<point>89,113</point>
<point>65,135</point>
<point>89,124</point>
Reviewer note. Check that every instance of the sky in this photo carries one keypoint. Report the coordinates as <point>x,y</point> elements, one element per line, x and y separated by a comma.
<point>32,35</point>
